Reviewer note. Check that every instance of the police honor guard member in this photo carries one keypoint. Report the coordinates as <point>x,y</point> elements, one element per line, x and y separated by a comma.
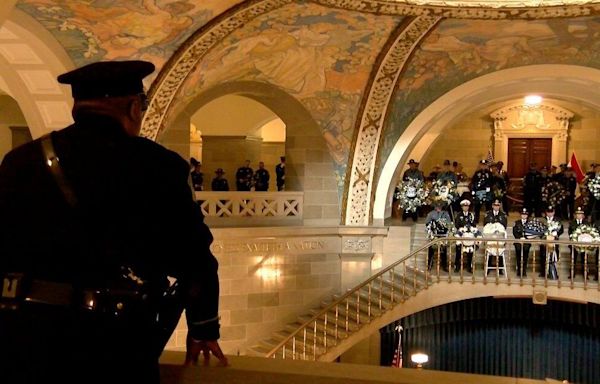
<point>532,190</point>
<point>280,174</point>
<point>550,221</point>
<point>243,177</point>
<point>413,172</point>
<point>96,252</point>
<point>219,183</point>
<point>261,178</point>
<point>519,233</point>
<point>437,214</point>
<point>447,174</point>
<point>495,215</point>
<point>578,256</point>
<point>464,219</point>
<point>481,187</point>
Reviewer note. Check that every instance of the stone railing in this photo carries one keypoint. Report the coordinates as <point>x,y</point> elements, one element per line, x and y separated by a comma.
<point>254,208</point>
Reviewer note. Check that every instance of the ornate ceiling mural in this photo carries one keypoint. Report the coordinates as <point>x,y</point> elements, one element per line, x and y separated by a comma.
<point>123,29</point>
<point>460,50</point>
<point>321,56</point>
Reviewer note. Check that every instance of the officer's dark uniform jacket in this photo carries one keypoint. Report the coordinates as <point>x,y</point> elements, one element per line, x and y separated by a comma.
<point>463,220</point>
<point>500,217</point>
<point>120,218</point>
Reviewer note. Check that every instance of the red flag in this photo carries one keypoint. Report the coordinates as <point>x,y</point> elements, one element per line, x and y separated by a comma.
<point>576,168</point>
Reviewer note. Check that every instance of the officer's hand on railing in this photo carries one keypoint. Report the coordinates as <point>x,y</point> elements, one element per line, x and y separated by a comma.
<point>194,347</point>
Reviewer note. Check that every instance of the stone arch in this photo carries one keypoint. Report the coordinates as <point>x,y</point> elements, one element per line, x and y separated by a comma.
<point>310,167</point>
<point>567,82</point>
<point>30,60</point>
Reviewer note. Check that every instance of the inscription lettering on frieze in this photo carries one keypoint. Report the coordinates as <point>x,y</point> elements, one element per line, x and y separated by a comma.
<point>266,246</point>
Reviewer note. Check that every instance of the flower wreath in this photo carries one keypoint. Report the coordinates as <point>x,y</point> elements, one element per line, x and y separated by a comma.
<point>468,232</point>
<point>593,186</point>
<point>553,193</point>
<point>585,234</point>
<point>495,231</point>
<point>552,229</point>
<point>412,194</point>
<point>439,228</point>
<point>444,191</point>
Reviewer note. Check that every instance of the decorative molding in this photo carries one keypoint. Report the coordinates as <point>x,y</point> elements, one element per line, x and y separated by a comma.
<point>482,9</point>
<point>356,245</point>
<point>183,62</point>
<point>360,180</point>
<point>524,121</point>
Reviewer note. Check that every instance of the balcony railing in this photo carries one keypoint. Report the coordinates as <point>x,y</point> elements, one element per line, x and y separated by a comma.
<point>236,208</point>
<point>405,278</point>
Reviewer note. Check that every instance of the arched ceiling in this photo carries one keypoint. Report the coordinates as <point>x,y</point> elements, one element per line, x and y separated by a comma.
<point>364,69</point>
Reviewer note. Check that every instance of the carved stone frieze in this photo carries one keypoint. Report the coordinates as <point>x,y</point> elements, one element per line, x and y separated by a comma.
<point>482,9</point>
<point>358,202</point>
<point>356,245</point>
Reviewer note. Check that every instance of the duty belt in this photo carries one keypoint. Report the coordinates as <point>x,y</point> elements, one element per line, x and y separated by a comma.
<point>16,291</point>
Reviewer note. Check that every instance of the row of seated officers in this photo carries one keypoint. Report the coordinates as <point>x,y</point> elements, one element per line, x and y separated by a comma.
<point>466,218</point>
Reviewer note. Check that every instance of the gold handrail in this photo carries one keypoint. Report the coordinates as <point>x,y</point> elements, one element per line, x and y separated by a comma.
<point>437,244</point>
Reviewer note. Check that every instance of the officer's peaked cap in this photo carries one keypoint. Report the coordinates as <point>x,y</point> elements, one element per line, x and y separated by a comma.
<point>107,79</point>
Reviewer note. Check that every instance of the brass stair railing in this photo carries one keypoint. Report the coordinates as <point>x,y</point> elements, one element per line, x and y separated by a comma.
<point>409,275</point>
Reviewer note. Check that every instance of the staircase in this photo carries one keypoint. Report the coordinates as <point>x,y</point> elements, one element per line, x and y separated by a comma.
<point>325,332</point>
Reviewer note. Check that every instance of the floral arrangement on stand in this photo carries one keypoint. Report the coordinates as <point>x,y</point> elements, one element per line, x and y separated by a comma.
<point>593,186</point>
<point>411,194</point>
<point>554,193</point>
<point>467,235</point>
<point>585,234</point>
<point>439,228</point>
<point>443,191</point>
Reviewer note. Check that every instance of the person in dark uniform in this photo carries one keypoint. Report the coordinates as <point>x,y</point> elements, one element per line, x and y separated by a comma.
<point>197,175</point>
<point>447,174</point>
<point>94,251</point>
<point>532,188</point>
<point>280,174</point>
<point>570,184</point>
<point>578,256</point>
<point>220,183</point>
<point>261,178</point>
<point>243,177</point>
<point>438,215</point>
<point>504,175</point>
<point>464,219</point>
<point>495,215</point>
<point>519,233</point>
<point>481,189</point>
<point>551,221</point>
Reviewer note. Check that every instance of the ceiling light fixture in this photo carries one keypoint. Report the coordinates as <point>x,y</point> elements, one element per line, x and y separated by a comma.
<point>533,100</point>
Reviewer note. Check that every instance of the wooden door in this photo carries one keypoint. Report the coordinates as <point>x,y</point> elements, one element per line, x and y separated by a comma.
<point>522,152</point>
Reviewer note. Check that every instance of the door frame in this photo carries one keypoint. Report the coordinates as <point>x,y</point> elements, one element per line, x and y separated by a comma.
<point>557,129</point>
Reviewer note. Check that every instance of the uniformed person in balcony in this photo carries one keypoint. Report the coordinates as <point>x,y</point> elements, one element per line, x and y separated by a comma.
<point>85,255</point>
<point>243,177</point>
<point>447,174</point>
<point>220,183</point>
<point>438,216</point>
<point>197,175</point>
<point>532,190</point>
<point>495,215</point>
<point>465,218</point>
<point>413,171</point>
<point>261,178</point>
<point>578,256</point>
<point>521,249</point>
<point>481,189</point>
